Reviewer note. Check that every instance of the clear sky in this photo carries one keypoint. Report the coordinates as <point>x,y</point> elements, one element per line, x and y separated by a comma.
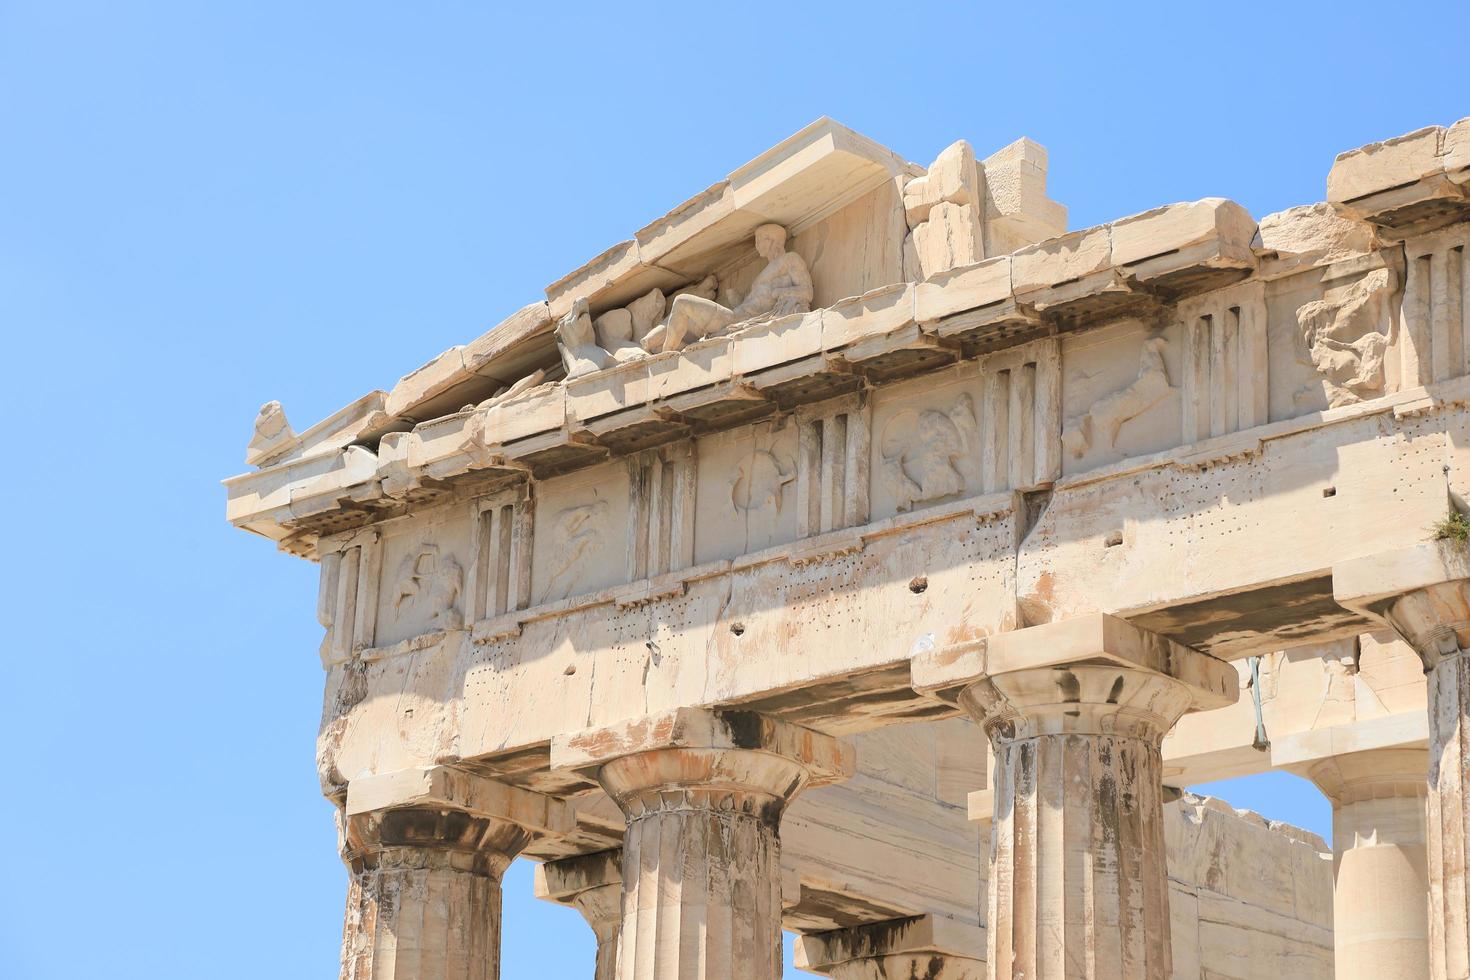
<point>207,205</point>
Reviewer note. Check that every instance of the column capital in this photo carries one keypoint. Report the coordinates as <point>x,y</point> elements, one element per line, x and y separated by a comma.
<point>475,823</point>
<point>590,883</point>
<point>924,946</point>
<point>1047,673</point>
<point>1377,758</point>
<point>1422,592</point>
<point>705,749</point>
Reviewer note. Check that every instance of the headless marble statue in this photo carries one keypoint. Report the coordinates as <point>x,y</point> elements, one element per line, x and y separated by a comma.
<point>784,286</point>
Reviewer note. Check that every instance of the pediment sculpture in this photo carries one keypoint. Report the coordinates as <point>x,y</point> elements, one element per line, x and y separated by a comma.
<point>655,323</point>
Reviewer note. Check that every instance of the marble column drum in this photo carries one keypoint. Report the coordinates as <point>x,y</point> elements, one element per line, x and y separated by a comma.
<point>1380,911</point>
<point>1449,817</point>
<point>1075,712</point>
<point>703,793</point>
<point>1424,594</point>
<point>424,899</point>
<point>1078,883</point>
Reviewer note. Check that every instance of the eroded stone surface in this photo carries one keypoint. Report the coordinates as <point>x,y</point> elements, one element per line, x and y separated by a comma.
<point>822,447</point>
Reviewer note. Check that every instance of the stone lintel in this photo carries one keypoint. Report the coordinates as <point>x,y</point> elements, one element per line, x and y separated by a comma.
<point>1092,639</point>
<point>921,936</point>
<point>824,758</point>
<point>452,789</point>
<point>1422,592</point>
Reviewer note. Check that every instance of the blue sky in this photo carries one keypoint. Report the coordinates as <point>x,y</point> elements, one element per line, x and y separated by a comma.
<point>207,205</point>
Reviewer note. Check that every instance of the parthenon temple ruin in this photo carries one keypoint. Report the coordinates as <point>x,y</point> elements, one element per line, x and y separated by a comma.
<point>857,551</point>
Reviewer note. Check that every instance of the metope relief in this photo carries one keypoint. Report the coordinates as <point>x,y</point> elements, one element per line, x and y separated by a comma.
<point>746,499</point>
<point>759,482</point>
<point>574,533</point>
<point>1346,336</point>
<point>922,452</point>
<point>428,589</point>
<point>1099,426</point>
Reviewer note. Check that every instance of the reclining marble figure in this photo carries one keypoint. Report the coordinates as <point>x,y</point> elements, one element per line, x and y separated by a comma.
<point>783,287</point>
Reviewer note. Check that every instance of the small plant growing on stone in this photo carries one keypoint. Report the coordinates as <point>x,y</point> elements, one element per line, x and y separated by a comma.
<point>1454,527</point>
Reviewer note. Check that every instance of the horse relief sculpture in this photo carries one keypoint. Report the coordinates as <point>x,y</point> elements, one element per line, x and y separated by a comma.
<point>429,584</point>
<point>921,450</point>
<point>1108,414</point>
<point>1347,336</point>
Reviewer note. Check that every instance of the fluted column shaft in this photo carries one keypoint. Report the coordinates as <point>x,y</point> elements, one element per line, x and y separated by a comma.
<point>703,792</point>
<point>424,899</point>
<point>1380,905</point>
<point>702,881</point>
<point>1449,817</point>
<point>1078,882</point>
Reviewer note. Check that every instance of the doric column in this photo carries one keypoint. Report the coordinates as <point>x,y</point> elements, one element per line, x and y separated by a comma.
<point>703,792</point>
<point>593,885</point>
<point>1424,594</point>
<point>426,849</point>
<point>1075,712</point>
<point>1380,914</point>
<point>929,947</point>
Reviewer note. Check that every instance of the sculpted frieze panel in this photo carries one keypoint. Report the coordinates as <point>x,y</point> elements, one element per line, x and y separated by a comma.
<point>1102,422</point>
<point>746,498</point>
<point>428,587</point>
<point>1346,336</point>
<point>923,450</point>
<point>581,533</point>
<point>928,441</point>
<point>1120,398</point>
<point>423,578</point>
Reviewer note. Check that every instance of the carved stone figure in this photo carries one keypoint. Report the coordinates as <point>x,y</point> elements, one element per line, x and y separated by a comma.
<point>577,341</point>
<point>1346,338</point>
<point>784,286</point>
<point>760,482</point>
<point>271,432</point>
<point>1106,416</point>
<point>575,531</point>
<point>510,391</point>
<point>428,580</point>
<point>920,450</point>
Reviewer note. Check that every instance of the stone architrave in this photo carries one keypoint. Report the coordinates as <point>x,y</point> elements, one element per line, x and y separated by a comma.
<point>427,849</point>
<point>703,792</point>
<point>1423,592</point>
<point>1076,712</point>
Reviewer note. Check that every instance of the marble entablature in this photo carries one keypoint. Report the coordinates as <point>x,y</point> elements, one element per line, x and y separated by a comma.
<point>814,443</point>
